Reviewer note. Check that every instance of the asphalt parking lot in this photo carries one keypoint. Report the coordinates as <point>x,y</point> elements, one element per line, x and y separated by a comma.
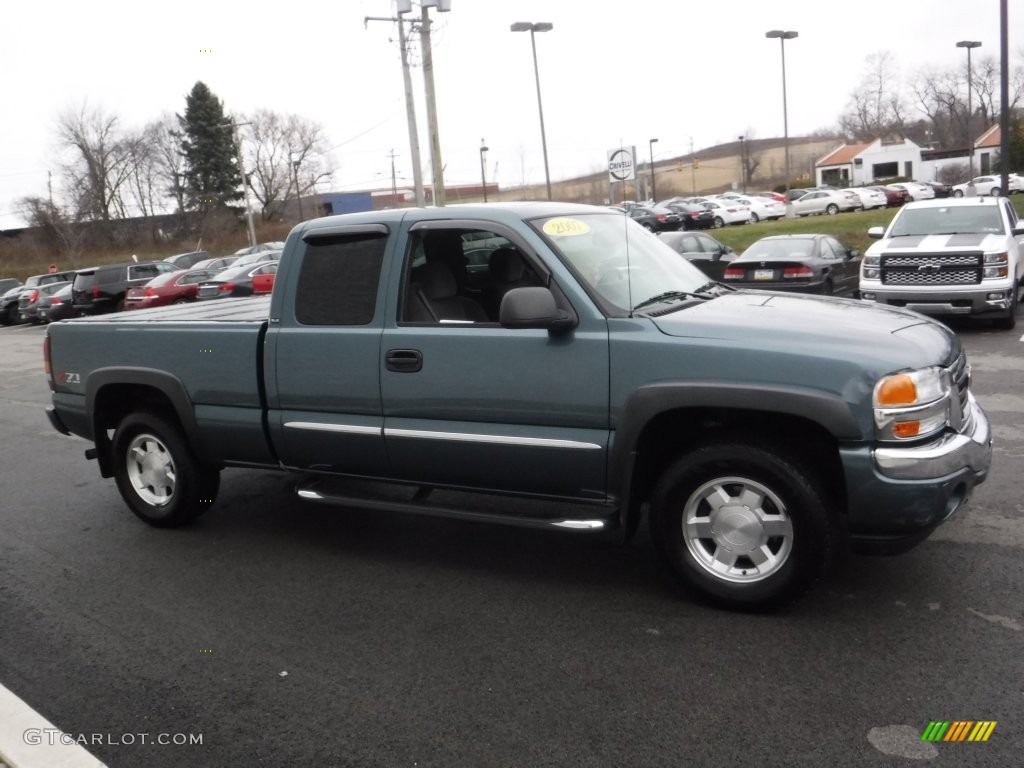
<point>282,633</point>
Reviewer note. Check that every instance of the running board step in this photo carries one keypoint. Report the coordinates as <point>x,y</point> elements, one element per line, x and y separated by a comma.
<point>324,491</point>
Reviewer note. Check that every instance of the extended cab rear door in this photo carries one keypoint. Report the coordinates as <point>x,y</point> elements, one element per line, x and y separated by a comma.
<point>323,350</point>
<point>470,404</point>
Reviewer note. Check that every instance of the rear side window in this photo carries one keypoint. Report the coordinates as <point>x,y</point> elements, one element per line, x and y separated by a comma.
<point>339,280</point>
<point>109,275</point>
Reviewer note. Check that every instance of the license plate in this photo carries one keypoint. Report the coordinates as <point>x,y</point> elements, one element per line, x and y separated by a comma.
<point>764,274</point>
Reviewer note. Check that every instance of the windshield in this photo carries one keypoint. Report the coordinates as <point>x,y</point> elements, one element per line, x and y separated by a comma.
<point>618,260</point>
<point>948,220</point>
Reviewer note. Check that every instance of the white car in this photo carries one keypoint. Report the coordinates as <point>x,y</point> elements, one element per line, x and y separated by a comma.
<point>869,198</point>
<point>762,209</point>
<point>727,212</point>
<point>986,185</point>
<point>915,190</point>
<point>820,201</point>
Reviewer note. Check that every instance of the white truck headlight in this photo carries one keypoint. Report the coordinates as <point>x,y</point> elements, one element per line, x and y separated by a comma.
<point>996,266</point>
<point>912,404</point>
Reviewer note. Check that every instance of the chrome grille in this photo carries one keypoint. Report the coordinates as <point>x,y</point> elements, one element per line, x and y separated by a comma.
<point>943,277</point>
<point>960,377</point>
<point>943,260</point>
<point>931,269</point>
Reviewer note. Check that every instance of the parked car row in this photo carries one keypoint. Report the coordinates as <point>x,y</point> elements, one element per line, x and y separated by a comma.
<point>136,285</point>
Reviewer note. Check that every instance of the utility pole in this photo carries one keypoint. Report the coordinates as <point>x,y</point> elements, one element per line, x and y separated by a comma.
<point>693,168</point>
<point>410,104</point>
<point>437,169</point>
<point>394,181</point>
<point>298,192</point>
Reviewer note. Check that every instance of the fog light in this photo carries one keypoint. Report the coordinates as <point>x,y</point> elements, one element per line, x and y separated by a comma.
<point>906,429</point>
<point>868,296</point>
<point>995,295</point>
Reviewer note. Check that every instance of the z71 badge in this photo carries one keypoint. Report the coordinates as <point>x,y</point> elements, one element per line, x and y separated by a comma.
<point>65,377</point>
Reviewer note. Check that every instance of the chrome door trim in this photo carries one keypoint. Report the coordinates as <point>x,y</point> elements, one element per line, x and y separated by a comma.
<point>539,442</point>
<point>317,426</point>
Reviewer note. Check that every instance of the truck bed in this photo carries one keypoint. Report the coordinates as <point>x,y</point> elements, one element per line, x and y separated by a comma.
<point>213,348</point>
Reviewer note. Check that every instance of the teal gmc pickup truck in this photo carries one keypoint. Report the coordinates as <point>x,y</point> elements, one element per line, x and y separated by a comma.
<point>540,364</point>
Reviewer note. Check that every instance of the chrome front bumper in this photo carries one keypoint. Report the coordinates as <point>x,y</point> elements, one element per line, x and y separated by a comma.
<point>952,453</point>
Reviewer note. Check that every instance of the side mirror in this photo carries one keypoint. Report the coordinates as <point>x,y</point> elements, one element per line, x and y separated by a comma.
<point>728,249</point>
<point>876,233</point>
<point>852,254</point>
<point>1018,231</point>
<point>533,307</point>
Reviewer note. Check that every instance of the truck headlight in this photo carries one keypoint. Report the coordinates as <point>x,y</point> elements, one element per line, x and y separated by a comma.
<point>872,261</point>
<point>912,404</point>
<point>996,266</point>
<point>872,274</point>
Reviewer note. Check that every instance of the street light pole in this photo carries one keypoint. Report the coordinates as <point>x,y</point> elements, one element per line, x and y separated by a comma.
<point>743,168</point>
<point>541,26</point>
<point>969,44</point>
<point>483,166</point>
<point>654,193</point>
<point>784,35</point>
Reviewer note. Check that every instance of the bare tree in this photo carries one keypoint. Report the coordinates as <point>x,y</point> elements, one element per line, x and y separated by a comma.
<point>281,149</point>
<point>102,164</point>
<point>169,158</point>
<point>59,231</point>
<point>876,106</point>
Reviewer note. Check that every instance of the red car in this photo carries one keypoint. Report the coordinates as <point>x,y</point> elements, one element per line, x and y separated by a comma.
<point>894,196</point>
<point>262,283</point>
<point>169,288</point>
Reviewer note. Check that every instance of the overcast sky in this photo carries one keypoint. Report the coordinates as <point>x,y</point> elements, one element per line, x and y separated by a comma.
<point>610,73</point>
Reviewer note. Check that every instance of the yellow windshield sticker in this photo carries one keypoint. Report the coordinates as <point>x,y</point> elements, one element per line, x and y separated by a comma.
<point>565,227</point>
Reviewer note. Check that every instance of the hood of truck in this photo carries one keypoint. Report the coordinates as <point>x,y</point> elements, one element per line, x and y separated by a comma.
<point>875,336</point>
<point>978,241</point>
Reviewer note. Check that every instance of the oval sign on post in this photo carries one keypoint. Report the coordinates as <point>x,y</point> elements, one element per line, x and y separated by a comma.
<point>621,165</point>
<point>52,268</point>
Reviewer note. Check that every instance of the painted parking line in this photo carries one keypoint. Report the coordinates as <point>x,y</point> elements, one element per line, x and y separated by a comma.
<point>29,740</point>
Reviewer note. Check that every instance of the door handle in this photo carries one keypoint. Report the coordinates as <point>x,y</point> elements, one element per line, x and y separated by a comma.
<point>403,360</point>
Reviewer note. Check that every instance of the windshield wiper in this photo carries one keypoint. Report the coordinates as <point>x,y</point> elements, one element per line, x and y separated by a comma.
<point>668,296</point>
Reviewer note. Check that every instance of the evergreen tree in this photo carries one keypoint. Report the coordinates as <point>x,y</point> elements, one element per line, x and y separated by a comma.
<point>212,176</point>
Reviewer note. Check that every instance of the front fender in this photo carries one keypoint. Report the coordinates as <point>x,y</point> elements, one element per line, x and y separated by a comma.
<point>830,412</point>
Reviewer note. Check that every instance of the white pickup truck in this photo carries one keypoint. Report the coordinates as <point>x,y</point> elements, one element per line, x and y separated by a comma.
<point>949,257</point>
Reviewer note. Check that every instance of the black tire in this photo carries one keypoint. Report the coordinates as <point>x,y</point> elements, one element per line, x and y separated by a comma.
<point>648,227</point>
<point>754,218</point>
<point>181,301</point>
<point>958,193</point>
<point>161,501</point>
<point>995,192</point>
<point>790,502</point>
<point>719,222</point>
<point>832,209</point>
<point>828,289</point>
<point>11,316</point>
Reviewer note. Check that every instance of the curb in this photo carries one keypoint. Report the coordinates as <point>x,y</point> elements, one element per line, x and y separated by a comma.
<point>16,719</point>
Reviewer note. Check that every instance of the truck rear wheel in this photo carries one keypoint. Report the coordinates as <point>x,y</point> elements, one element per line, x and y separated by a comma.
<point>744,526</point>
<point>158,475</point>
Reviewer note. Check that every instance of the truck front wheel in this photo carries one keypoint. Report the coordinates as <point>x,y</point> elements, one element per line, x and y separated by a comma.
<point>744,526</point>
<point>158,475</point>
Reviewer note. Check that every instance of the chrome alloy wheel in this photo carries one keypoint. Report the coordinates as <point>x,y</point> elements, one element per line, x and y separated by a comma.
<point>737,529</point>
<point>151,469</point>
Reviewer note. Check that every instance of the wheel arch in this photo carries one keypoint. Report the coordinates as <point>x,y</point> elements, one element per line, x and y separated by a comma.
<point>661,421</point>
<point>113,393</point>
